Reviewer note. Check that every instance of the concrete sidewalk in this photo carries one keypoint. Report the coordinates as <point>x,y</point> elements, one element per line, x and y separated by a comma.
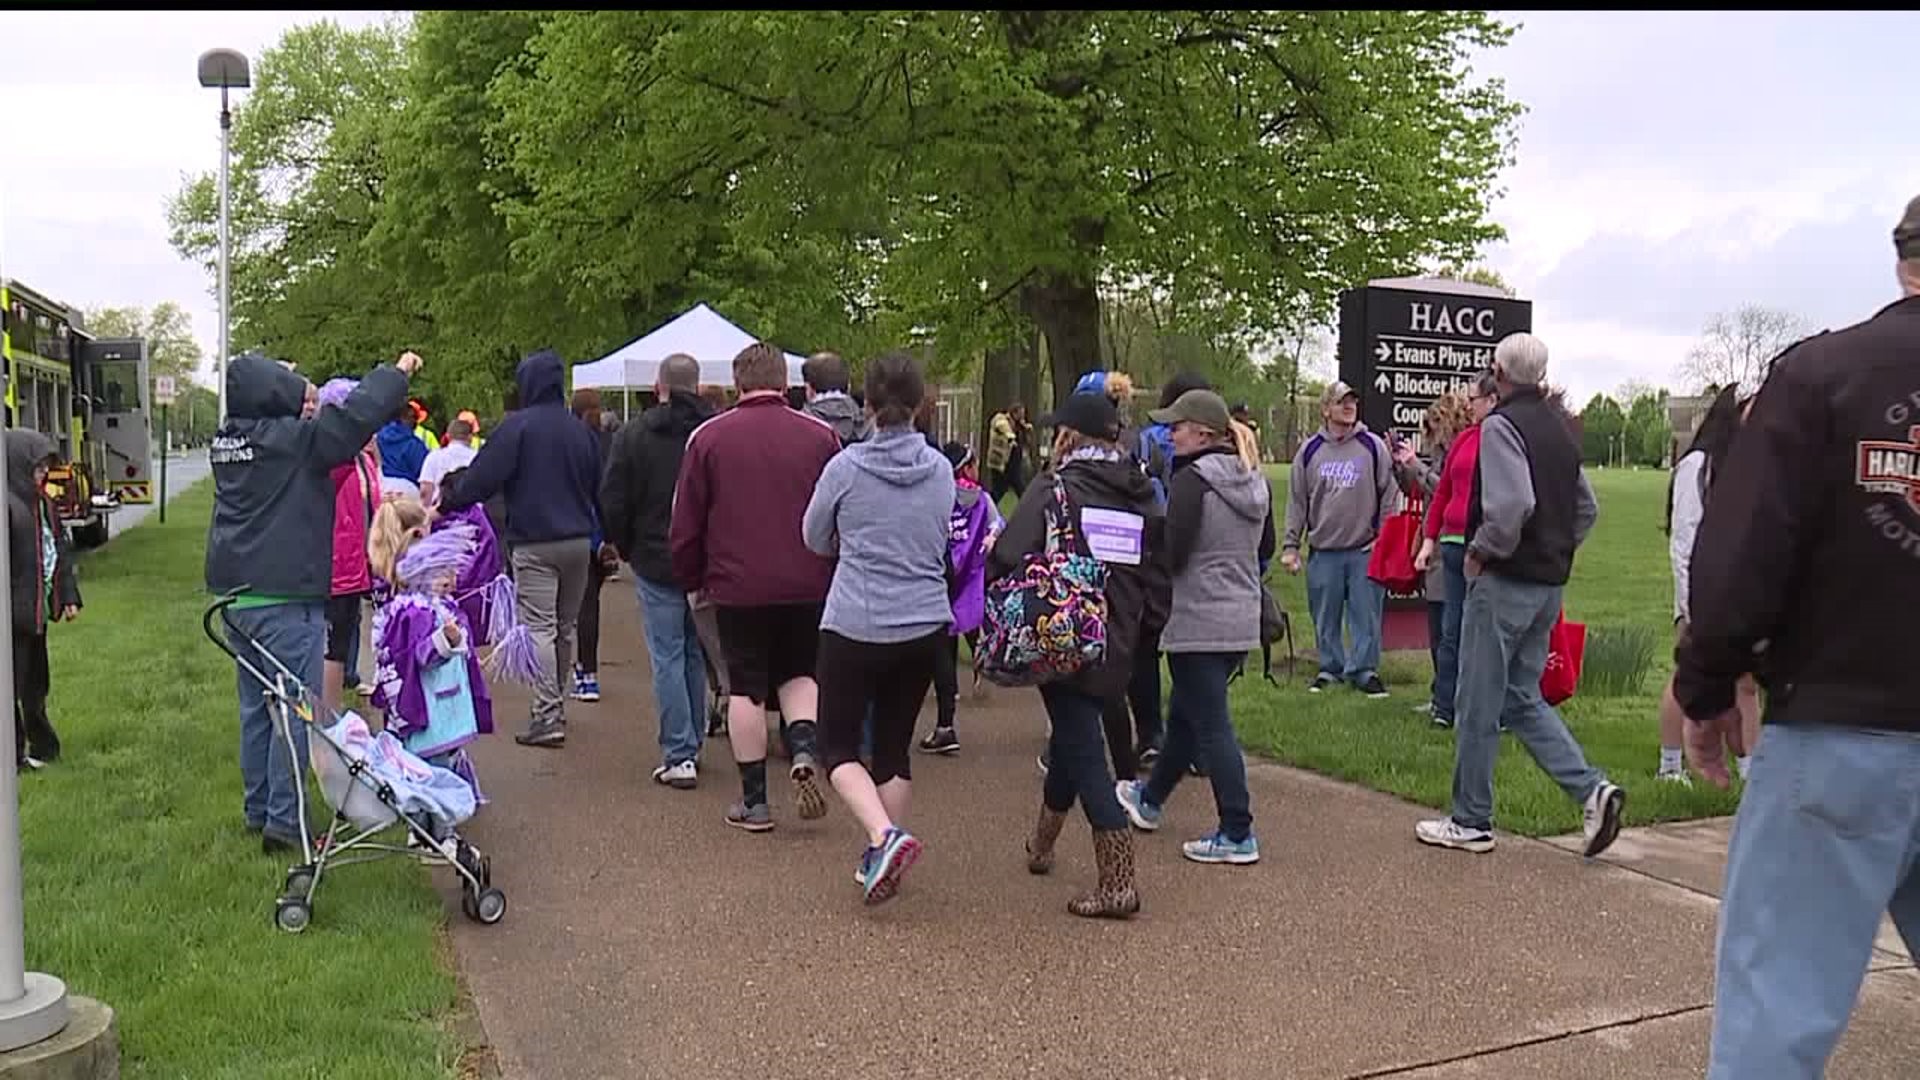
<point>646,939</point>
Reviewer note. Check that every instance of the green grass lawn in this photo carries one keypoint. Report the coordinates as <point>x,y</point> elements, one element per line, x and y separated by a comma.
<point>142,888</point>
<point>1621,578</point>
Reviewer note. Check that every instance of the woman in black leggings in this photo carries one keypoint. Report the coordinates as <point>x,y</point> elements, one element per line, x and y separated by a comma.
<point>881,506</point>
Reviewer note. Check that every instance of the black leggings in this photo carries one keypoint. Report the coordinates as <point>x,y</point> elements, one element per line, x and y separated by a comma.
<point>892,678</point>
<point>32,730</point>
<point>587,625</point>
<point>946,676</point>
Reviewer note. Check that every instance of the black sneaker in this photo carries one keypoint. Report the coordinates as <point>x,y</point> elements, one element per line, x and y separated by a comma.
<point>1372,687</point>
<point>943,740</point>
<point>1321,682</point>
<point>716,722</point>
<point>552,735</point>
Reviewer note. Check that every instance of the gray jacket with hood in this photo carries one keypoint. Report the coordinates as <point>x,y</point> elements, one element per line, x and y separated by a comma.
<point>31,518</point>
<point>272,524</point>
<point>1219,531</point>
<point>882,507</point>
<point>838,411</point>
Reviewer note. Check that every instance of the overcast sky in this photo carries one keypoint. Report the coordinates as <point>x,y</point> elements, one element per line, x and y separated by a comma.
<point>1671,165</point>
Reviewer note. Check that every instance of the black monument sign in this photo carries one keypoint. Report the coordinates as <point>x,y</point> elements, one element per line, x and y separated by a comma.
<point>1406,343</point>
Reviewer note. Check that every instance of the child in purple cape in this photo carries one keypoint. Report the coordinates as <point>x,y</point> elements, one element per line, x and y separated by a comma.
<point>427,677</point>
<point>971,530</point>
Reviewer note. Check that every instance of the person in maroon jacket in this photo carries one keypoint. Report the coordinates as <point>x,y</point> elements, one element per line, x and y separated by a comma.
<point>1813,577</point>
<point>744,486</point>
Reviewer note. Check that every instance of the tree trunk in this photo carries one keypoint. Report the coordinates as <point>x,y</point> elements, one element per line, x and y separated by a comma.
<point>1000,384</point>
<point>1067,311</point>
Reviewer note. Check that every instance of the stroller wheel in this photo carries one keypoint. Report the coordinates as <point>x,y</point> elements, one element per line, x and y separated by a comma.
<point>299,882</point>
<point>488,906</point>
<point>292,914</point>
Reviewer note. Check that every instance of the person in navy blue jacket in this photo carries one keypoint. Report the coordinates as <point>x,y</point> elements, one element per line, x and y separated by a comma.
<point>548,465</point>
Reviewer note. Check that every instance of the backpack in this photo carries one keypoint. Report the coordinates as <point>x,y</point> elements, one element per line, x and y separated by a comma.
<point>1370,441</point>
<point>1047,620</point>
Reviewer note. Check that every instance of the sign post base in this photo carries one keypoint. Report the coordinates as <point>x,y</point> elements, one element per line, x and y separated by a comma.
<point>36,1016</point>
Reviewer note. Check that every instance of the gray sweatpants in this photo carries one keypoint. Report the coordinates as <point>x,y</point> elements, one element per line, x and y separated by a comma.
<point>550,578</point>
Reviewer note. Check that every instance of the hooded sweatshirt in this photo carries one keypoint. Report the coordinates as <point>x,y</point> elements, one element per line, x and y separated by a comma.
<point>272,526</point>
<point>1219,531</point>
<point>42,562</point>
<point>883,506</point>
<point>402,453</point>
<point>970,532</point>
<point>838,411</point>
<point>544,459</point>
<point>1341,488</point>
<point>1136,595</point>
<point>637,493</point>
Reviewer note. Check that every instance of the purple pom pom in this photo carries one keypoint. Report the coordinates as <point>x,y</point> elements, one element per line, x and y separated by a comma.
<point>515,658</point>
<point>446,552</point>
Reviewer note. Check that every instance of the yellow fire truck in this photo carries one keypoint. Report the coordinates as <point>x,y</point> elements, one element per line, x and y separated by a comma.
<point>89,396</point>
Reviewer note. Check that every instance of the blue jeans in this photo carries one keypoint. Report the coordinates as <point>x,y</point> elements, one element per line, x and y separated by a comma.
<point>1827,838</point>
<point>1077,758</point>
<point>295,634</point>
<point>1199,728</point>
<point>679,669</point>
<point>1503,649</point>
<point>1446,651</point>
<point>1338,589</point>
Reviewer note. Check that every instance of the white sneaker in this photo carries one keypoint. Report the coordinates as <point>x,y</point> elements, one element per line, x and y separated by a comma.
<point>1448,833</point>
<point>1674,776</point>
<point>1602,817</point>
<point>683,775</point>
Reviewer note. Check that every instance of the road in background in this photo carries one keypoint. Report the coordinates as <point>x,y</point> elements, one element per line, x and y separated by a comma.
<point>184,468</point>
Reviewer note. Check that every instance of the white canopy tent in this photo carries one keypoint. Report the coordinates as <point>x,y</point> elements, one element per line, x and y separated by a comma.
<point>700,332</point>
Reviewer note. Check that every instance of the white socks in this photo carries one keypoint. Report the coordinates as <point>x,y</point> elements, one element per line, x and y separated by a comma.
<point>1670,761</point>
<point>1743,763</point>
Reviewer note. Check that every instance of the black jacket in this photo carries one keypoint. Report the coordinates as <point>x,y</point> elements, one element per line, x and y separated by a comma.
<point>1806,565</point>
<point>27,508</point>
<point>543,457</point>
<point>272,524</point>
<point>1138,597</point>
<point>637,494</point>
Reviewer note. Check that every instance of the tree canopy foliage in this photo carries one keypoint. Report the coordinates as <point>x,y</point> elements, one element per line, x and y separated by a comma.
<point>483,183</point>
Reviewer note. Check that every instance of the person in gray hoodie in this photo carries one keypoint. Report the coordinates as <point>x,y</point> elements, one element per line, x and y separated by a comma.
<point>825,374</point>
<point>881,507</point>
<point>1342,487</point>
<point>1219,532</point>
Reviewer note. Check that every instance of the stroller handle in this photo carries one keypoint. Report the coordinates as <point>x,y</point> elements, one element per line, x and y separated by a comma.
<point>218,610</point>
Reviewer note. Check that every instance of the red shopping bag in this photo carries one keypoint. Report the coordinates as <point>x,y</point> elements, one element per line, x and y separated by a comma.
<point>1566,646</point>
<point>1392,562</point>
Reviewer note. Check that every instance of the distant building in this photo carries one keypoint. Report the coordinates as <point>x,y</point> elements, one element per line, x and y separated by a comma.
<point>1683,415</point>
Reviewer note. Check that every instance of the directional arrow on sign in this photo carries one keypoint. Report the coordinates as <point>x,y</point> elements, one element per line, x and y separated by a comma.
<point>1381,351</point>
<point>1383,384</point>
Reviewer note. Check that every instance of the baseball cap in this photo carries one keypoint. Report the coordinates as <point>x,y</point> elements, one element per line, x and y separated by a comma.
<point>1336,390</point>
<point>1906,235</point>
<point>1093,382</point>
<point>1090,414</point>
<point>1203,407</point>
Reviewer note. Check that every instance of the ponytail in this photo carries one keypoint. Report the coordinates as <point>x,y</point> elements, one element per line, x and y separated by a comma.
<point>396,525</point>
<point>1245,444</point>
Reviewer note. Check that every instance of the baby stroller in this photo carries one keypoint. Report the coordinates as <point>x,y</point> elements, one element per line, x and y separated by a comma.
<point>370,783</point>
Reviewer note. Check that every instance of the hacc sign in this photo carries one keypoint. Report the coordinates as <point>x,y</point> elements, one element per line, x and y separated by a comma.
<point>1406,341</point>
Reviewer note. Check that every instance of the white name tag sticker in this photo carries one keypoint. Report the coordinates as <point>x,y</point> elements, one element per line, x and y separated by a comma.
<point>1113,536</point>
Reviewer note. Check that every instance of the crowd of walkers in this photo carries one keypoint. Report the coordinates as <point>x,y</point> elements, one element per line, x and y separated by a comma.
<point>824,561</point>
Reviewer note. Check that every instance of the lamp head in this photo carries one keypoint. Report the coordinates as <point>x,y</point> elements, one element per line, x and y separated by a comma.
<point>225,68</point>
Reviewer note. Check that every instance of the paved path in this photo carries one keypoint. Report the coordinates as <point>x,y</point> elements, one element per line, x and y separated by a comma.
<point>647,939</point>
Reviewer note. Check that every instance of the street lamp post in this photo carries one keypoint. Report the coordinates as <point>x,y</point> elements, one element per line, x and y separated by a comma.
<point>226,69</point>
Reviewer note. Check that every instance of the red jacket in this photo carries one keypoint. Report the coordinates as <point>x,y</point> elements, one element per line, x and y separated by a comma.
<point>1447,516</point>
<point>744,486</point>
<point>356,495</point>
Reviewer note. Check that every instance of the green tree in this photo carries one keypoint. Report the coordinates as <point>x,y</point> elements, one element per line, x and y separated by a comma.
<point>1647,432</point>
<point>167,329</point>
<point>1602,425</point>
<point>311,143</point>
<point>1477,275</point>
<point>959,173</point>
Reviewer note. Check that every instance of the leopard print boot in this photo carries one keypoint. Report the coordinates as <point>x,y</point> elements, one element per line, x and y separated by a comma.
<point>1040,845</point>
<point>1114,897</point>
